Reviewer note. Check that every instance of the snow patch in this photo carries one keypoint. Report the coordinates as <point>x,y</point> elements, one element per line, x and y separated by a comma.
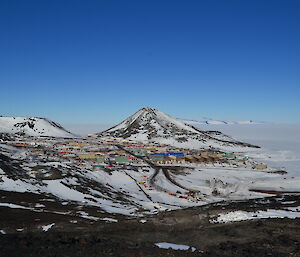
<point>165,245</point>
<point>109,219</point>
<point>47,227</point>
<point>243,215</point>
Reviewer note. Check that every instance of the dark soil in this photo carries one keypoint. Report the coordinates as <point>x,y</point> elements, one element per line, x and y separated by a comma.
<point>130,238</point>
<point>277,237</point>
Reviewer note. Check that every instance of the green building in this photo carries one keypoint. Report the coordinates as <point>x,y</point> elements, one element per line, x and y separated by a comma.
<point>99,166</point>
<point>157,158</point>
<point>122,159</point>
<point>100,160</point>
<point>139,151</point>
<point>229,155</point>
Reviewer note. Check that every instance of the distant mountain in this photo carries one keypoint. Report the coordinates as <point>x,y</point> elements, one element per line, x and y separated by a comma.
<point>207,121</point>
<point>32,126</point>
<point>152,125</point>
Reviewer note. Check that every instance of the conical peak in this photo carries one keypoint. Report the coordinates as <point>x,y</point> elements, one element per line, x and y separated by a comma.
<point>148,109</point>
<point>152,125</point>
<point>151,119</point>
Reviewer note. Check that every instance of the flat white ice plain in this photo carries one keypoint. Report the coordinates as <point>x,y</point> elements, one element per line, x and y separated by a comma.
<point>84,129</point>
<point>280,143</point>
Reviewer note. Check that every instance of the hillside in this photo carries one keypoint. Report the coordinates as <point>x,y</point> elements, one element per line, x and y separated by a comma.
<point>32,126</point>
<point>152,125</point>
<point>208,121</point>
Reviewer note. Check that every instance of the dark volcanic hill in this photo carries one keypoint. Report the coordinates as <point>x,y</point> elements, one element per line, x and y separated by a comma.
<point>152,125</point>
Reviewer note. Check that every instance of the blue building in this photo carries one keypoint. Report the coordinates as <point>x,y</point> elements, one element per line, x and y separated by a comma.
<point>177,154</point>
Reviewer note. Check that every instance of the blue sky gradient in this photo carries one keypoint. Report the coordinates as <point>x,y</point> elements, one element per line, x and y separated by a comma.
<point>100,61</point>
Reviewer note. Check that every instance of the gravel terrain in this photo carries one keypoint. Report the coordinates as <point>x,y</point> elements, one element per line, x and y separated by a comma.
<point>76,236</point>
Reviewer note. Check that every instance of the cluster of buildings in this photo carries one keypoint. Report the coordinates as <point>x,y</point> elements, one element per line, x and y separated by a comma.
<point>93,153</point>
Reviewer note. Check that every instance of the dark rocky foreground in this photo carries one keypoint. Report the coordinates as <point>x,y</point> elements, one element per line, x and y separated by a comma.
<point>129,237</point>
<point>272,237</point>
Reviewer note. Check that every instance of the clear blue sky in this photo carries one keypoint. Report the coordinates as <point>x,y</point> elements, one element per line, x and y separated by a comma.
<point>99,61</point>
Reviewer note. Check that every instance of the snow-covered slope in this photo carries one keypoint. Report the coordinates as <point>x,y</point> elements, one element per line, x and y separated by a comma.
<point>32,126</point>
<point>37,183</point>
<point>207,121</point>
<point>152,125</point>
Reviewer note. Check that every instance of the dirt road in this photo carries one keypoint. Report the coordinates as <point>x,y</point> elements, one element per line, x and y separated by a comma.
<point>158,168</point>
